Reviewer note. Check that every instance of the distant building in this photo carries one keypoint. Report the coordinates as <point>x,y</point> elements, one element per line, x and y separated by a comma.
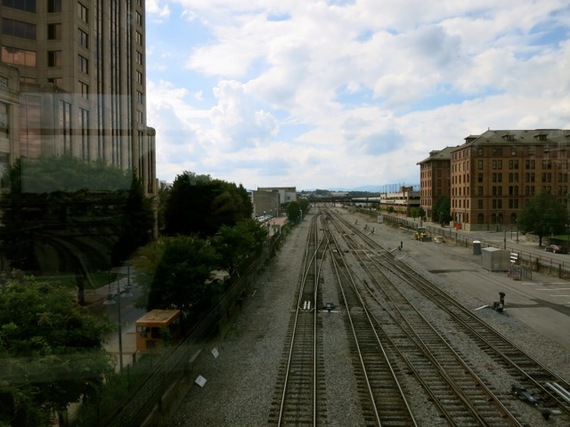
<point>265,203</point>
<point>494,174</point>
<point>401,202</point>
<point>435,179</point>
<point>286,194</point>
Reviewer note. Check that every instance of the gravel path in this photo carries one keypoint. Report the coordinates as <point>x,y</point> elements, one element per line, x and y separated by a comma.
<point>240,381</point>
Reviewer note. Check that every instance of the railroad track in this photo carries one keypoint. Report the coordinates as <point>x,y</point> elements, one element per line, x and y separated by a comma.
<point>389,275</point>
<point>299,397</point>
<point>383,400</point>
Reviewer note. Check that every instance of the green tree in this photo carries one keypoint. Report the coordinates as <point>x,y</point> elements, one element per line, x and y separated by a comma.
<point>442,209</point>
<point>542,215</point>
<point>162,200</point>
<point>199,205</point>
<point>137,221</point>
<point>180,277</point>
<point>58,208</point>
<point>304,205</point>
<point>294,212</point>
<point>417,212</point>
<point>51,349</point>
<point>239,245</point>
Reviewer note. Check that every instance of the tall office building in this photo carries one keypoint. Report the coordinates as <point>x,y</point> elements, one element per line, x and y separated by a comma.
<point>72,81</point>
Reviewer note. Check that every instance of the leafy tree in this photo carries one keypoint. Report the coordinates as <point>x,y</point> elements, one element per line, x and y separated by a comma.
<point>417,212</point>
<point>543,214</point>
<point>162,200</point>
<point>51,348</point>
<point>59,208</point>
<point>137,221</point>
<point>293,212</point>
<point>199,205</point>
<point>441,209</point>
<point>240,244</point>
<point>304,205</point>
<point>180,277</point>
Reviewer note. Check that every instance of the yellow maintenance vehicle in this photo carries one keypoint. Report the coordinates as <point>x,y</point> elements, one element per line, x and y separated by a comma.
<point>421,234</point>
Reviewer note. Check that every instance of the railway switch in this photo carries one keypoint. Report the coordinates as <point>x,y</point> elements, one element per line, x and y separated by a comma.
<point>329,306</point>
<point>500,305</point>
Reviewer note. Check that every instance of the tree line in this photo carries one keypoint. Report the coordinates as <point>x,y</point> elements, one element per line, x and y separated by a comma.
<point>65,216</point>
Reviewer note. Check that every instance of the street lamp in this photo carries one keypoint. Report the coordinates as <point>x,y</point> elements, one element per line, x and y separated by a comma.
<point>111,301</point>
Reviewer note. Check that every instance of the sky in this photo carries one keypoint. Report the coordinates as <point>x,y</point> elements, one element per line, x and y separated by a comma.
<point>341,94</point>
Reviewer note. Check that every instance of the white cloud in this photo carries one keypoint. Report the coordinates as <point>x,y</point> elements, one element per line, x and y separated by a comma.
<point>319,93</point>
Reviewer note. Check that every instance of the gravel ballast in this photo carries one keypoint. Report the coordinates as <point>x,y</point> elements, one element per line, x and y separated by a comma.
<point>241,381</point>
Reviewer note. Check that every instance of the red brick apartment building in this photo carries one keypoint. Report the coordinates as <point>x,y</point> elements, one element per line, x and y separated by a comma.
<point>435,172</point>
<point>492,175</point>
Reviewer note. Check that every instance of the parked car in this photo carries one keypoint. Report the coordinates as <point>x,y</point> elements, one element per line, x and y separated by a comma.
<point>555,249</point>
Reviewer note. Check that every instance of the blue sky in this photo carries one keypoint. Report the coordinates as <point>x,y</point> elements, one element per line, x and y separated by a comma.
<point>346,93</point>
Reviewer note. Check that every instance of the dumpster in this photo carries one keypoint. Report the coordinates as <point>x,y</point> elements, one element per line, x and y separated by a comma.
<point>476,247</point>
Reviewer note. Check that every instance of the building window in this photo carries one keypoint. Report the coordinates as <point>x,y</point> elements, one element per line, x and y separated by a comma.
<point>513,190</point>
<point>513,164</point>
<point>84,90</point>
<point>479,203</point>
<point>83,39</point>
<point>139,19</point>
<point>529,164</point>
<point>83,64</point>
<point>497,177</point>
<point>84,126</point>
<point>83,13</point>
<point>57,81</point>
<point>139,38</point>
<point>139,78</point>
<point>546,164</point>
<point>480,164</point>
<point>54,6</point>
<point>497,151</point>
<point>25,5</point>
<point>497,164</point>
<point>140,58</point>
<point>24,30</point>
<point>54,31</point>
<point>140,98</point>
<point>65,126</point>
<point>16,56</point>
<point>55,58</point>
<point>3,118</point>
<point>546,177</point>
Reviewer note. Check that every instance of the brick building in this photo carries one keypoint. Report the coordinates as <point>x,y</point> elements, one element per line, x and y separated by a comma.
<point>435,172</point>
<point>492,175</point>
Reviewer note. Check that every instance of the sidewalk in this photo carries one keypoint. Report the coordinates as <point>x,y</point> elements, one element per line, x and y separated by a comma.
<point>122,312</point>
